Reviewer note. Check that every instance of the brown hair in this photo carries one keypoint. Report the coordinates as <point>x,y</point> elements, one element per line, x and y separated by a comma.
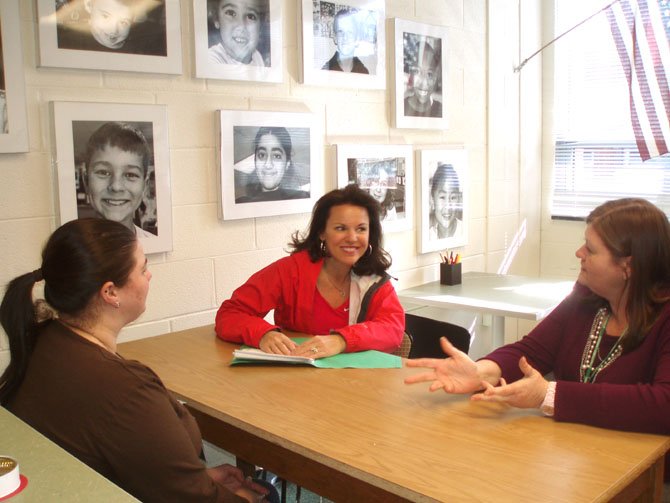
<point>79,257</point>
<point>376,260</point>
<point>635,228</point>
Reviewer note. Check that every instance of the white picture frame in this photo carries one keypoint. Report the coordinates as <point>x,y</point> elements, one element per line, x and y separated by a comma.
<point>76,126</point>
<point>266,63</point>
<point>366,20</point>
<point>387,173</point>
<point>420,75</point>
<point>253,139</point>
<point>442,226</point>
<point>153,45</point>
<point>13,120</point>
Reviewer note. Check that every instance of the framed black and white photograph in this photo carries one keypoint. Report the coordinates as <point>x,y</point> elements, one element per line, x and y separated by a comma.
<point>270,163</point>
<point>113,162</point>
<point>13,122</point>
<point>126,35</point>
<point>420,76</point>
<point>343,43</point>
<point>443,192</point>
<point>386,172</point>
<point>238,40</point>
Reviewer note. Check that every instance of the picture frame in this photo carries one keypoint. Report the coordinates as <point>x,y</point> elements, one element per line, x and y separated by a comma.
<point>387,173</point>
<point>258,57</point>
<point>420,75</point>
<point>270,163</point>
<point>13,119</point>
<point>113,162</point>
<point>72,35</point>
<point>324,63</point>
<point>444,211</point>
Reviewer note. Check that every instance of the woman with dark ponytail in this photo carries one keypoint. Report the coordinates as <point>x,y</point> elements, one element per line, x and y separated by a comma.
<point>67,381</point>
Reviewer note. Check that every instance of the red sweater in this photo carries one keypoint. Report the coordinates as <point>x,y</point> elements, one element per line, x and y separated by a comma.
<point>632,394</point>
<point>377,320</point>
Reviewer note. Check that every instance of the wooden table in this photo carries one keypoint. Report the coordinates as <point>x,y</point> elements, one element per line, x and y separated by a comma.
<point>361,435</point>
<point>499,295</point>
<point>53,474</point>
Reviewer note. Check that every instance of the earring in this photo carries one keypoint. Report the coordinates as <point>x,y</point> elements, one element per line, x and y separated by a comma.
<point>324,250</point>
<point>369,251</point>
<point>118,304</point>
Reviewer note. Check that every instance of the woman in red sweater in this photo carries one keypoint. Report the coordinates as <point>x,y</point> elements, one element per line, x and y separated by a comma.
<point>333,286</point>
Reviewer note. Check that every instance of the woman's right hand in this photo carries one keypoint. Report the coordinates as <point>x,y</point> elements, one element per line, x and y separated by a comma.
<point>456,374</point>
<point>276,343</point>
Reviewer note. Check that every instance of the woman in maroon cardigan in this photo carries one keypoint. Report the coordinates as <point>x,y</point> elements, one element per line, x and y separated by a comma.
<point>607,343</point>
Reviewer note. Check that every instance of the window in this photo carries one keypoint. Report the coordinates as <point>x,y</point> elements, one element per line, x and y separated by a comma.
<point>596,158</point>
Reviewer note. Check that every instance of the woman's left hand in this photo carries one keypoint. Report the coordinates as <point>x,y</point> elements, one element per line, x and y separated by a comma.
<point>233,479</point>
<point>526,393</point>
<point>321,346</point>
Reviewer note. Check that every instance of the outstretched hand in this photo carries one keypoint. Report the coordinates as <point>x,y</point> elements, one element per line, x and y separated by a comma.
<point>526,393</point>
<point>455,374</point>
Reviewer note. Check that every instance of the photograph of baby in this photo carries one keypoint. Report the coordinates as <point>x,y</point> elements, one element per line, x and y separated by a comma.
<point>443,201</point>
<point>122,26</point>
<point>115,174</point>
<point>272,163</point>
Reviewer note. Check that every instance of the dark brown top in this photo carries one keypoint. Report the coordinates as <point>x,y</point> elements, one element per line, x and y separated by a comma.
<point>116,416</point>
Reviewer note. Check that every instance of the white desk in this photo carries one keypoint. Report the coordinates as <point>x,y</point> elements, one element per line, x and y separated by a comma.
<point>53,474</point>
<point>499,295</point>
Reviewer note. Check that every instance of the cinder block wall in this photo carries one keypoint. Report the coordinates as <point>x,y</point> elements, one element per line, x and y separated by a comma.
<point>211,257</point>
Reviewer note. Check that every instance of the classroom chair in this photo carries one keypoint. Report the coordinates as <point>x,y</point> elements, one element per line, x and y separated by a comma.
<point>426,333</point>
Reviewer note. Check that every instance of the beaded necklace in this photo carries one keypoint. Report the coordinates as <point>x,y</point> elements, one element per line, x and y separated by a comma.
<point>588,370</point>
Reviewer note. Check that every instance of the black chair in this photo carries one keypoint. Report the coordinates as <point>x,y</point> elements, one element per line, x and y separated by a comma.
<point>405,346</point>
<point>426,333</point>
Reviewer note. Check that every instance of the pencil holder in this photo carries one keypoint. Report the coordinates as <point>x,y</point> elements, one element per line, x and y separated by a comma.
<point>450,274</point>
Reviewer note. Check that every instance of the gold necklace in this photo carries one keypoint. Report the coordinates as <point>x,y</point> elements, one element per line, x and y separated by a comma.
<point>341,291</point>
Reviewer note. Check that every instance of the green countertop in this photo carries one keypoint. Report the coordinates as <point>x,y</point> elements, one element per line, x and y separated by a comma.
<point>53,474</point>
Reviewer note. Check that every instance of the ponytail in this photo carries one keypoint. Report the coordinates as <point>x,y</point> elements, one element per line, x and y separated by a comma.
<point>19,319</point>
<point>76,261</point>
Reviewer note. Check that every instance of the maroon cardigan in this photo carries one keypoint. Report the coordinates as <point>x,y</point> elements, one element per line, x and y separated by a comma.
<point>632,393</point>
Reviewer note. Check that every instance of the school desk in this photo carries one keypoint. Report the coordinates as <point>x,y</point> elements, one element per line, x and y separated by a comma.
<point>363,435</point>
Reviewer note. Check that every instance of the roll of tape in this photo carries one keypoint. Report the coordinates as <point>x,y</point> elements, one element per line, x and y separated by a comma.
<point>10,480</point>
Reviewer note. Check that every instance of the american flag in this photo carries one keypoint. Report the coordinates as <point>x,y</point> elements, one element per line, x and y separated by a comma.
<point>641,30</point>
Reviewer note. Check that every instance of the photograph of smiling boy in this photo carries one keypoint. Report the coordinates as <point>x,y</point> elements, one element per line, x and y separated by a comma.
<point>345,37</point>
<point>239,32</point>
<point>422,57</point>
<point>274,166</point>
<point>115,164</point>
<point>125,26</point>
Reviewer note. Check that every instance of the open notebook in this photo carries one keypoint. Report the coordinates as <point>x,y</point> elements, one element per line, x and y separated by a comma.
<point>360,360</point>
